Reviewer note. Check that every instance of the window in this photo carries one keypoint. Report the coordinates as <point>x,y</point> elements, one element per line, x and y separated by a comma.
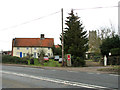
<point>18,48</point>
<point>27,48</point>
<point>23,54</point>
<point>34,54</point>
<point>48,48</point>
<point>48,54</point>
<point>51,54</point>
<point>18,53</point>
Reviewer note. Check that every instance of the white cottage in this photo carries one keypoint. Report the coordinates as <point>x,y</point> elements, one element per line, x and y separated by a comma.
<point>22,46</point>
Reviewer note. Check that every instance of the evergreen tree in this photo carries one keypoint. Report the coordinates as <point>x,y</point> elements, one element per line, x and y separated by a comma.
<point>110,43</point>
<point>75,38</point>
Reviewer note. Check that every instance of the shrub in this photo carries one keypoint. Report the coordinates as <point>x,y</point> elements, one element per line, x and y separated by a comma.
<point>114,60</point>
<point>13,59</point>
<point>78,61</point>
<point>115,51</point>
<point>32,61</point>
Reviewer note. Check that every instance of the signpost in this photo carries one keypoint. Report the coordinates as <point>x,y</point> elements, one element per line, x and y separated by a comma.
<point>68,59</point>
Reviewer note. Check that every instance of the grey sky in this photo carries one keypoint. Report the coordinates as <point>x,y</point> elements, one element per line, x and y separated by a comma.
<point>15,12</point>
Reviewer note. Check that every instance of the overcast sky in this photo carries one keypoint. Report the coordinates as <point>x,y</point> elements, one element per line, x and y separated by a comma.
<point>44,16</point>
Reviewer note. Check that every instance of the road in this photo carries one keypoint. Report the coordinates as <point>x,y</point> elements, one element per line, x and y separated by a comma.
<point>26,77</point>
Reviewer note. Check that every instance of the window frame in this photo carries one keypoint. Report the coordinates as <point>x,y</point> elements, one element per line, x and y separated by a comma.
<point>48,48</point>
<point>27,48</point>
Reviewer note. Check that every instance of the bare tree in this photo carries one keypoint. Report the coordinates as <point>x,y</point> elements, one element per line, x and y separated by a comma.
<point>41,55</point>
<point>105,32</point>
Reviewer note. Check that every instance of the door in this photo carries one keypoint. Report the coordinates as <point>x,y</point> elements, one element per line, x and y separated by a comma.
<point>20,54</point>
<point>34,54</point>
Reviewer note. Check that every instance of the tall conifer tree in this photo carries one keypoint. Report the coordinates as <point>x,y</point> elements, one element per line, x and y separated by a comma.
<point>75,37</point>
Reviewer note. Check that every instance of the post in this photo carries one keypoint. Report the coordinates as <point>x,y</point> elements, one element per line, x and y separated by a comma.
<point>62,39</point>
<point>105,60</point>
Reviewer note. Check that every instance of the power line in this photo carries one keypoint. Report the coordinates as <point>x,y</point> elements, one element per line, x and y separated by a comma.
<point>14,26</point>
<point>96,8</point>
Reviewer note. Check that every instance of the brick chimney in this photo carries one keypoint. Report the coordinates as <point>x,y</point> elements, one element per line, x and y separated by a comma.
<point>42,37</point>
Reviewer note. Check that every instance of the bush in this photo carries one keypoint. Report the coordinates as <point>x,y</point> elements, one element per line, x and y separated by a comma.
<point>13,59</point>
<point>115,51</point>
<point>32,61</point>
<point>114,60</point>
<point>78,61</point>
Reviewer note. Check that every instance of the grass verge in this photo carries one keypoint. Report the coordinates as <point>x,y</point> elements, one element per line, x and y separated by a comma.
<point>114,69</point>
<point>50,63</point>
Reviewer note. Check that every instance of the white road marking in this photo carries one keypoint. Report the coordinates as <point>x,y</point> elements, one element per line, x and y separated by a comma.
<point>91,73</point>
<point>114,75</point>
<point>56,80</point>
<point>53,70</point>
<point>36,68</point>
<point>41,69</point>
<point>98,73</point>
<point>72,71</point>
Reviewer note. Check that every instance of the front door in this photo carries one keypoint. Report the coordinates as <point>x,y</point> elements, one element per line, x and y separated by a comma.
<point>20,54</point>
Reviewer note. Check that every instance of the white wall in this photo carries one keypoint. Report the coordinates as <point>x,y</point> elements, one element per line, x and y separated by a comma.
<point>31,50</point>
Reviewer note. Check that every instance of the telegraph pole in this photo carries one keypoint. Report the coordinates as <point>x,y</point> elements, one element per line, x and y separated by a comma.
<point>62,39</point>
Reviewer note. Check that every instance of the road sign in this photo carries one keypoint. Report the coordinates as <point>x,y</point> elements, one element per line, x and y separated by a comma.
<point>68,56</point>
<point>68,59</point>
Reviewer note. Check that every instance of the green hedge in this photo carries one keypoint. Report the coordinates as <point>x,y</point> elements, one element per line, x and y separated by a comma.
<point>114,60</point>
<point>115,51</point>
<point>13,59</point>
<point>78,61</point>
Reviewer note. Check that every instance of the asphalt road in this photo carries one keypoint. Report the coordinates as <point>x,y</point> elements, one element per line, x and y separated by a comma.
<point>26,77</point>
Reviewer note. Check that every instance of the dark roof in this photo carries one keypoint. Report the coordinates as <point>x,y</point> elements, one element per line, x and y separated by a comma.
<point>33,42</point>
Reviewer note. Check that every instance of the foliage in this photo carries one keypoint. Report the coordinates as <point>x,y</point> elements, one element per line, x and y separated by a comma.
<point>113,60</point>
<point>13,59</point>
<point>105,32</point>
<point>32,61</point>
<point>115,51</point>
<point>57,51</point>
<point>41,53</point>
<point>78,61</point>
<point>75,38</point>
<point>110,43</point>
<point>50,63</point>
<point>41,56</point>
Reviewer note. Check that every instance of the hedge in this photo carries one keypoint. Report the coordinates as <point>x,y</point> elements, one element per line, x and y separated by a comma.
<point>13,59</point>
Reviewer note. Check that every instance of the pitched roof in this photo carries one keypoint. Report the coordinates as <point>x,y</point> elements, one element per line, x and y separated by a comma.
<point>33,42</point>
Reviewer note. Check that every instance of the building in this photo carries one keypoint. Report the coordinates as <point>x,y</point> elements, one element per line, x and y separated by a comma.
<point>23,46</point>
<point>94,42</point>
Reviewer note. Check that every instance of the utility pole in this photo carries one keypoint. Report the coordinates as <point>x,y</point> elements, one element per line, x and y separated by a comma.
<point>62,39</point>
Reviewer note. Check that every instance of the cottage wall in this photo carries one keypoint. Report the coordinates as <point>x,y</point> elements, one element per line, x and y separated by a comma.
<point>22,51</point>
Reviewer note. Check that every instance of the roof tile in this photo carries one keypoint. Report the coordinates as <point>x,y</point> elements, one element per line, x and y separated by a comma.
<point>33,42</point>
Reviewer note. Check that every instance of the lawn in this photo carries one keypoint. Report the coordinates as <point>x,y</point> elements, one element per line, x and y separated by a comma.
<point>50,63</point>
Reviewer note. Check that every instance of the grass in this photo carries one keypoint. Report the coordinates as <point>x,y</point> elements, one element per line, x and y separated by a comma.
<point>89,60</point>
<point>115,69</point>
<point>50,63</point>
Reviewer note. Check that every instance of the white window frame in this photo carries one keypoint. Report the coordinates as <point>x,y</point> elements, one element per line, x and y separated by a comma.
<point>24,54</point>
<point>27,48</point>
